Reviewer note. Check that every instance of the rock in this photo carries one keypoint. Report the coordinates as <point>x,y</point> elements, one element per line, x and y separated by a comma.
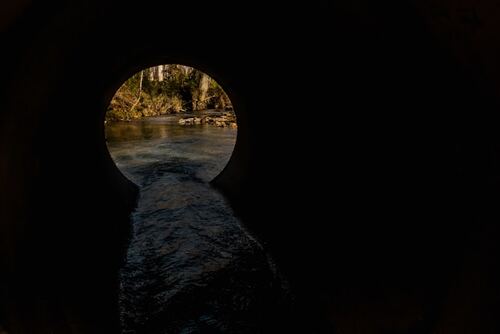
<point>186,121</point>
<point>225,120</point>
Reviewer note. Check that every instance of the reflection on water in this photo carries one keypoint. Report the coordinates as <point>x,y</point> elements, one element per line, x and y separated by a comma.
<point>159,139</point>
<point>191,266</point>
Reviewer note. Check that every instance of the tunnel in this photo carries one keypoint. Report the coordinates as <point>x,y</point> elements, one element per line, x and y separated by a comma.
<point>366,161</point>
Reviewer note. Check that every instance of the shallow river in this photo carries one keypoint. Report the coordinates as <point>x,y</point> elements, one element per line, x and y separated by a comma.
<point>191,266</point>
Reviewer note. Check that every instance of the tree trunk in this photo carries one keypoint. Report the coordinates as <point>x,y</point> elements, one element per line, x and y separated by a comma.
<point>151,74</point>
<point>160,73</point>
<point>222,102</point>
<point>202,92</point>
<point>140,92</point>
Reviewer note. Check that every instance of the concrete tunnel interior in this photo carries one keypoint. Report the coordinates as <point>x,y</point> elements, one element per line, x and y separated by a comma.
<point>380,208</point>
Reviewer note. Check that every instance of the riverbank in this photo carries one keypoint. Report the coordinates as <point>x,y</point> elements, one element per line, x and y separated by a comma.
<point>216,117</point>
<point>226,119</point>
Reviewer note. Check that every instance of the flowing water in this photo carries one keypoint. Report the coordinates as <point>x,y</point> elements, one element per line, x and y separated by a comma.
<point>191,266</point>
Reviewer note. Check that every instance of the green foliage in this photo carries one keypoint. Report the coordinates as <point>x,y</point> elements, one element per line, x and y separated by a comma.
<point>180,91</point>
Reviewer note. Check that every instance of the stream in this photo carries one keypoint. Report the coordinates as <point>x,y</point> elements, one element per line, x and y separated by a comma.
<point>191,265</point>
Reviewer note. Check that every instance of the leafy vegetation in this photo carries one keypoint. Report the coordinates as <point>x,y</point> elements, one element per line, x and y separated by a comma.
<point>166,89</point>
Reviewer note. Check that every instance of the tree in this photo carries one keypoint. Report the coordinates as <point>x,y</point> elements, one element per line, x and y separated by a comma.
<point>168,89</point>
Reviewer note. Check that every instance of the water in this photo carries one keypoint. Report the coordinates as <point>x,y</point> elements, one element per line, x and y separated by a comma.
<point>191,266</point>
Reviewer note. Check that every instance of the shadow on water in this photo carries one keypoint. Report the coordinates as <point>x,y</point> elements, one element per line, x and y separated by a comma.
<point>191,266</point>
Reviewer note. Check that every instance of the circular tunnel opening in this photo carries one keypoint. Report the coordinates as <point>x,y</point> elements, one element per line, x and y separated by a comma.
<point>171,112</point>
<point>190,266</point>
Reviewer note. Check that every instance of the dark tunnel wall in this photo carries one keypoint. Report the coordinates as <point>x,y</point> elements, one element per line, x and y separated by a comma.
<point>373,178</point>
